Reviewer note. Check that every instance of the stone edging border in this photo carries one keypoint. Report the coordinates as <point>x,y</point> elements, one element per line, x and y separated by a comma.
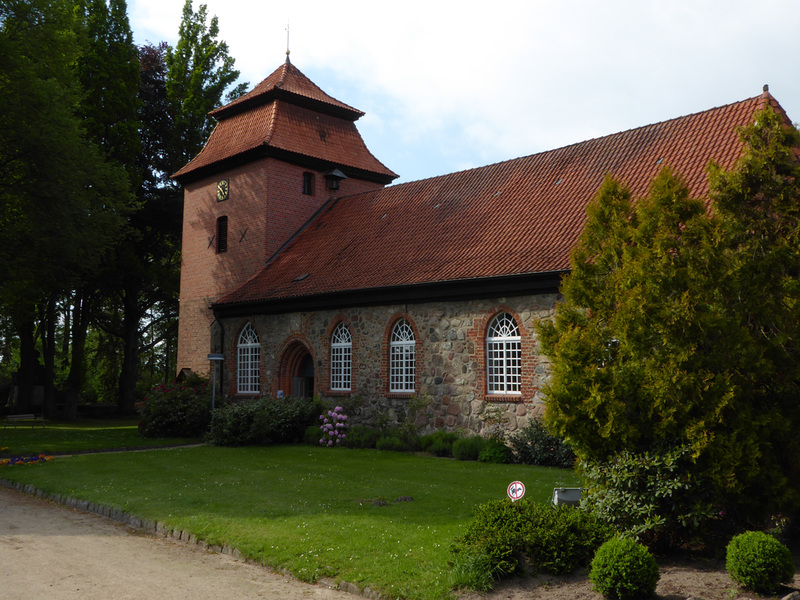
<point>158,529</point>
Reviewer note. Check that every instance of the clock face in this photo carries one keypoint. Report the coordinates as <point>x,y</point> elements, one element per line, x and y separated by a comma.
<point>223,189</point>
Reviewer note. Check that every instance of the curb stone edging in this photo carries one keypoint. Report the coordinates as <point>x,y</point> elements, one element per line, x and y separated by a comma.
<point>159,529</point>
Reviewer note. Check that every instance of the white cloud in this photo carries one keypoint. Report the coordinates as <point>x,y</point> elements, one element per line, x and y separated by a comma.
<point>447,84</point>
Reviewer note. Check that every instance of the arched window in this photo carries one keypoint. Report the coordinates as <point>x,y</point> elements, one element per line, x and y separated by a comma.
<point>248,352</point>
<point>503,356</point>
<point>341,361</point>
<point>401,358</point>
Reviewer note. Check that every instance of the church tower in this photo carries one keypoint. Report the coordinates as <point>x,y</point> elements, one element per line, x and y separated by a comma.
<point>276,155</point>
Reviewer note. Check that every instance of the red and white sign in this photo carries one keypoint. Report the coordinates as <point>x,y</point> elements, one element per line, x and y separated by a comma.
<point>516,490</point>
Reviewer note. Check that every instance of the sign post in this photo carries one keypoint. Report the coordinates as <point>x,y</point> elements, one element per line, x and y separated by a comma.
<point>214,358</point>
<point>516,490</point>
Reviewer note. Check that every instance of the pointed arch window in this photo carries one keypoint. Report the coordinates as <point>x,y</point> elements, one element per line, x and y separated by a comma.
<point>402,349</point>
<point>341,358</point>
<point>503,356</point>
<point>248,350</point>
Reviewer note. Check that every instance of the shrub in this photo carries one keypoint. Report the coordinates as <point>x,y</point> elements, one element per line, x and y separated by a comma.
<point>495,451</point>
<point>360,436</point>
<point>390,442</point>
<point>439,443</point>
<point>176,410</point>
<point>759,562</point>
<point>534,445</point>
<point>650,495</point>
<point>265,421</point>
<point>311,435</point>
<point>623,569</point>
<point>552,539</point>
<point>468,448</point>
<point>333,427</point>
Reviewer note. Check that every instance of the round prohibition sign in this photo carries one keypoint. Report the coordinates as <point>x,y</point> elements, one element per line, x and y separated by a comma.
<point>516,490</point>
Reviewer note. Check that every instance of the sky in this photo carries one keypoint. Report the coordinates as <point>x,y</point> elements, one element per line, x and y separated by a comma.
<point>448,86</point>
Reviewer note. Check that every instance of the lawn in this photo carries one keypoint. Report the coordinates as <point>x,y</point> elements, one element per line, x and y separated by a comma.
<point>382,520</point>
<point>58,437</point>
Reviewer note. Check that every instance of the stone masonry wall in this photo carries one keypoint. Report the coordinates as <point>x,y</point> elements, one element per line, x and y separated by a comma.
<point>450,360</point>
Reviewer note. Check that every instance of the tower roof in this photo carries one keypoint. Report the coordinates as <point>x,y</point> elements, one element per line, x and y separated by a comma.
<point>289,117</point>
<point>287,82</point>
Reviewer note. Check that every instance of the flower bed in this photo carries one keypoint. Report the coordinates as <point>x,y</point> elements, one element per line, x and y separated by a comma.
<point>24,460</point>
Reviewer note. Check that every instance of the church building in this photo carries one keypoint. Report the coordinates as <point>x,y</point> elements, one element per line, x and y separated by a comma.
<point>313,276</point>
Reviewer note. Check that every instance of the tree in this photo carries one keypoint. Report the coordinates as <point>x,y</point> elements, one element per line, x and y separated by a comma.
<point>666,339</point>
<point>199,72</point>
<point>55,186</point>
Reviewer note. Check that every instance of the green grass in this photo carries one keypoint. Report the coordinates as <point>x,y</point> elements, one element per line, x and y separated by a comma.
<point>76,436</point>
<point>314,511</point>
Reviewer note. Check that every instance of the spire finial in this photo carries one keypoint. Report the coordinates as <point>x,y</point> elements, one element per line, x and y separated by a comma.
<point>287,42</point>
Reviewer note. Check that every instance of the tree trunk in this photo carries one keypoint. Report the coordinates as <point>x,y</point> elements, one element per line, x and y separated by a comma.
<point>130,358</point>
<point>77,372</point>
<point>49,347</point>
<point>28,363</point>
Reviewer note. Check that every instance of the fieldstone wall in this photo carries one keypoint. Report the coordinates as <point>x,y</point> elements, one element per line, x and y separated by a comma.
<point>451,388</point>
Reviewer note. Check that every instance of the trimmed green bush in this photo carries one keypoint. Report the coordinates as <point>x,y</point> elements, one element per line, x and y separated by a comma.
<point>542,537</point>
<point>469,448</point>
<point>392,443</point>
<point>623,569</point>
<point>534,445</point>
<point>176,410</point>
<point>495,451</point>
<point>262,422</point>
<point>759,562</point>
<point>439,443</point>
<point>360,436</point>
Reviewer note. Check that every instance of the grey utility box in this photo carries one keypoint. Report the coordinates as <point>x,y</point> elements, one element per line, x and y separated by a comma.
<point>568,496</point>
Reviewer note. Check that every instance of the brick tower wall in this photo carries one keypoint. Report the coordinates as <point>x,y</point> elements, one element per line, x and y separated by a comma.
<point>266,205</point>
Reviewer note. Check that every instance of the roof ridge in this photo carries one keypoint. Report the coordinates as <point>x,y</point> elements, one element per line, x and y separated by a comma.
<point>600,137</point>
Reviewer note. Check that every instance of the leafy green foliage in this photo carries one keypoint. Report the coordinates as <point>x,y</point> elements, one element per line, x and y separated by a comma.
<point>360,436</point>
<point>440,442</point>
<point>391,443</point>
<point>653,497</point>
<point>513,536</point>
<point>47,166</point>
<point>535,445</point>
<point>262,422</point>
<point>495,451</point>
<point>199,72</point>
<point>469,448</point>
<point>176,410</point>
<point>759,562</point>
<point>667,339</point>
<point>624,570</point>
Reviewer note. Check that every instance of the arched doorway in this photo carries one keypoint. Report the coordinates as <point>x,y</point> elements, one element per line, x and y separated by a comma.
<point>296,374</point>
<point>303,382</point>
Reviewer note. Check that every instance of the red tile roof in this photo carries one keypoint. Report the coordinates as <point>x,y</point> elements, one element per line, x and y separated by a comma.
<point>521,216</point>
<point>287,80</point>
<point>287,113</point>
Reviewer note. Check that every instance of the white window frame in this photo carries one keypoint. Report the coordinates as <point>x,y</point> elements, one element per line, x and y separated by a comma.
<point>341,358</point>
<point>402,358</point>
<point>503,356</point>
<point>248,355</point>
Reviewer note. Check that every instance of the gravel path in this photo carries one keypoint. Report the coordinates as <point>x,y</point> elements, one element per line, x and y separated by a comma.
<point>56,553</point>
